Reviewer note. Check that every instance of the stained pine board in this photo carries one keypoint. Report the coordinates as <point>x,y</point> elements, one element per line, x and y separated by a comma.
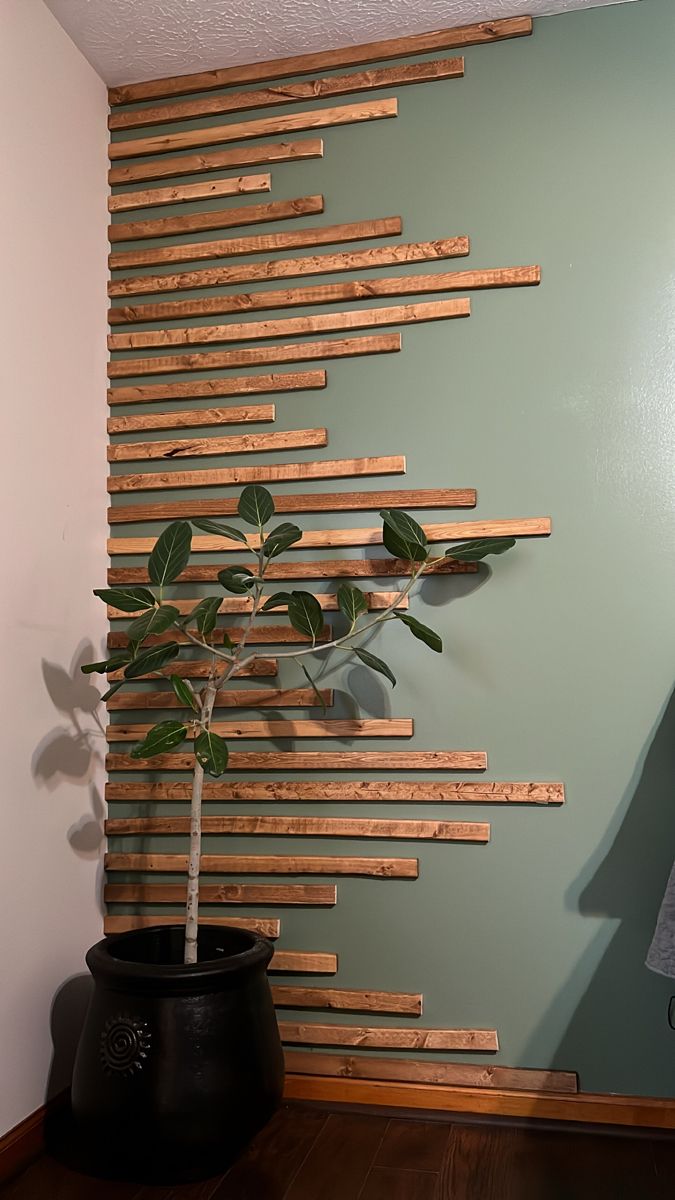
<point>255,413</point>
<point>261,635</point>
<point>290,93</point>
<point>332,568</point>
<point>238,385</point>
<point>242,131</point>
<point>351,728</point>
<point>245,443</point>
<point>360,791</point>
<point>257,243</point>
<point>225,218</point>
<point>445,531</point>
<point>310,502</point>
<point>307,64</point>
<point>195,164</point>
<point>315,760</point>
<point>242,698</point>
<point>280,268</point>
<point>331,293</point>
<point>267,927</point>
<point>339,322</point>
<point>304,962</point>
<point>243,604</point>
<point>256,864</point>
<point>259,668</point>
<point>309,1062</point>
<point>183,193</point>
<point>386,1038</point>
<point>222,893</point>
<point>347,1000</point>
<point>337,468</point>
<point>258,355</point>
<point>354,827</point>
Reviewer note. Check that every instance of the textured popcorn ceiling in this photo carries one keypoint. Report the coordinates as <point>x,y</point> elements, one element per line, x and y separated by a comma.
<point>131,40</point>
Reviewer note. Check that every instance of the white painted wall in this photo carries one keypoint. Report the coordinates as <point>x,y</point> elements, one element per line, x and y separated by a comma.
<point>52,540</point>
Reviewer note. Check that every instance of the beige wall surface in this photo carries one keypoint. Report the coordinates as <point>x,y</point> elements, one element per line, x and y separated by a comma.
<point>52,489</point>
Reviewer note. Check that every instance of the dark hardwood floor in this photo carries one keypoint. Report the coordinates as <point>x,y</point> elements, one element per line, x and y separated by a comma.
<point>311,1154</point>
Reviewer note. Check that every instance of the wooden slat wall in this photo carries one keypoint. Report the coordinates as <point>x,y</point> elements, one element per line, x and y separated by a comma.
<point>185,419</point>
<point>245,443</point>
<point>316,760</point>
<point>222,893</point>
<point>333,568</point>
<point>195,164</point>
<point>482,1040</point>
<point>352,827</point>
<point>227,218</point>
<point>242,698</point>
<point>306,1062</point>
<point>185,193</point>
<point>311,502</point>
<point>255,864</point>
<point>237,385</point>
<point>361,791</point>
<point>241,604</point>
<point>336,468</point>
<point>351,728</point>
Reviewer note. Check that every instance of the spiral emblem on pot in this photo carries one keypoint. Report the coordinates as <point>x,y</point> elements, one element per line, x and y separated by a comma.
<point>125,1045</point>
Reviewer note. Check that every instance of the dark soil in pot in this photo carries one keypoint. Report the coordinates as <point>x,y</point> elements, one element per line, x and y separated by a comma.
<point>178,1066</point>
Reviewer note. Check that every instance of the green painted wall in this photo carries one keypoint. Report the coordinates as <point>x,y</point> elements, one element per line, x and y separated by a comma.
<point>559,661</point>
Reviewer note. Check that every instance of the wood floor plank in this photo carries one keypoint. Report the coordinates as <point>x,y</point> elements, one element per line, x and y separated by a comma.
<point>246,443</point>
<point>334,568</point>
<point>336,468</point>
<point>315,760</point>
<point>361,791</point>
<point>186,193</point>
<point>267,1167</point>
<point>389,1038</point>
<point>192,417</point>
<point>413,1145</point>
<point>331,502</point>
<point>226,698</point>
<point>49,1179</point>
<point>324,895</point>
<point>266,864</point>
<point>385,1183</point>
<point>194,164</point>
<point>338,1163</point>
<point>257,826</point>
<point>248,356</point>
<point>224,218</point>
<point>237,385</point>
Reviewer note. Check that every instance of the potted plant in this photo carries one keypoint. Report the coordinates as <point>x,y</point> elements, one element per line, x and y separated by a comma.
<point>179,1061</point>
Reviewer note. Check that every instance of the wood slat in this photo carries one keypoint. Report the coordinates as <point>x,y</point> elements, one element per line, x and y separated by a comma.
<point>354,827</point>
<point>243,604</point>
<point>239,385</point>
<point>186,193</point>
<point>366,727</point>
<point>259,668</point>
<point>256,864</point>
<point>257,243</point>
<point>309,1062</point>
<point>243,698</point>
<point>243,131</point>
<point>386,1038</point>
<point>245,443</point>
<point>261,635</point>
<point>304,962</point>
<point>195,164</point>
<point>332,568</point>
<point>280,268</point>
<point>347,1000</point>
<point>321,894</point>
<point>339,322</point>
<point>307,64</point>
<point>310,502</point>
<point>186,419</point>
<point>267,927</point>
<point>443,531</point>
<point>258,356</point>
<point>336,468</point>
<point>315,760</point>
<point>224,218</point>
<point>290,93</point>
<point>361,791</point>
<point>331,293</point>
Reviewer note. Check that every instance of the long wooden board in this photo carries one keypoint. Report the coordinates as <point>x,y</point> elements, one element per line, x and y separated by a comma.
<point>331,568</point>
<point>352,827</point>
<point>290,93</point>
<point>257,356</point>
<point>280,268</point>
<point>224,218</point>
<point>241,698</point>
<point>336,468</point>
<point>245,443</point>
<point>186,193</point>
<point>347,1000</point>
<point>310,1062</point>
<point>256,864</point>
<point>304,962</point>
<point>194,164</point>
<point>259,668</point>
<point>243,131</point>
<point>307,64</point>
<point>342,728</point>
<point>186,419</point>
<point>267,927</point>
<point>238,385</point>
<point>310,502</point>
<point>387,1038</point>
<point>262,635</point>
<point>243,604</point>
<point>315,760</point>
<point>331,293</point>
<point>257,243</point>
<point>339,792</point>
<point>443,531</point>
<point>322,894</point>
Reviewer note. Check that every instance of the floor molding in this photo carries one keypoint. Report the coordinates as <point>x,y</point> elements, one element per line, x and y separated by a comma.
<point>26,1141</point>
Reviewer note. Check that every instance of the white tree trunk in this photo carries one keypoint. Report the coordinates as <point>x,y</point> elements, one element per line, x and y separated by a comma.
<point>192,904</point>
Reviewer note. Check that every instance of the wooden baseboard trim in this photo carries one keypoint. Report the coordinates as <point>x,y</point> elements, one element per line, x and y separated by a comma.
<point>26,1141</point>
<point>587,1108</point>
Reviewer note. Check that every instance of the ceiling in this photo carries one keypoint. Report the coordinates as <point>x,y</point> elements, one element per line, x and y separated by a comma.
<point>131,40</point>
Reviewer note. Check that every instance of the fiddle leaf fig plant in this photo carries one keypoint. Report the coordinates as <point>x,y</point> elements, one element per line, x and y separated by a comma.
<point>145,656</point>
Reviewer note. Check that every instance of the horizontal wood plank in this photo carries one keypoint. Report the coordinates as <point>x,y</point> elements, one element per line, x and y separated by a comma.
<point>289,93</point>
<point>225,218</point>
<point>310,502</point>
<point>239,385</point>
<point>265,926</point>
<point>280,268</point>
<point>351,728</point>
<point>322,894</point>
<point>339,792</point>
<point>332,568</point>
<point>214,160</point>
<point>243,604</point>
<point>186,419</point>
<point>186,193</point>
<point>354,827</point>
<point>315,760</point>
<point>260,635</point>
<point>226,698</point>
<point>304,962</point>
<point>387,1038</point>
<point>256,864</point>
<point>307,1062</point>
<point>306,64</point>
<point>336,468</point>
<point>257,669</point>
<point>347,1000</point>
<point>245,443</point>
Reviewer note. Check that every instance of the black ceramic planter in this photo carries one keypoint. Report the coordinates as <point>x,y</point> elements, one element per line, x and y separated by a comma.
<point>178,1066</point>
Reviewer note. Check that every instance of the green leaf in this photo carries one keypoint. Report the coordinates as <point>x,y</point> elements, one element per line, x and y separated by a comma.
<point>170,554</point>
<point>351,601</point>
<point>277,600</point>
<point>256,505</point>
<point>228,531</point>
<point>108,664</point>
<point>375,663</point>
<point>315,689</point>
<point>305,614</point>
<point>152,660</point>
<point>236,579</point>
<point>423,632</point>
<point>126,599</point>
<point>159,739</point>
<point>114,687</point>
<point>156,620</point>
<point>280,539</point>
<point>185,692</point>
<point>402,536</point>
<point>480,548</point>
<point>204,614</point>
<point>211,752</point>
